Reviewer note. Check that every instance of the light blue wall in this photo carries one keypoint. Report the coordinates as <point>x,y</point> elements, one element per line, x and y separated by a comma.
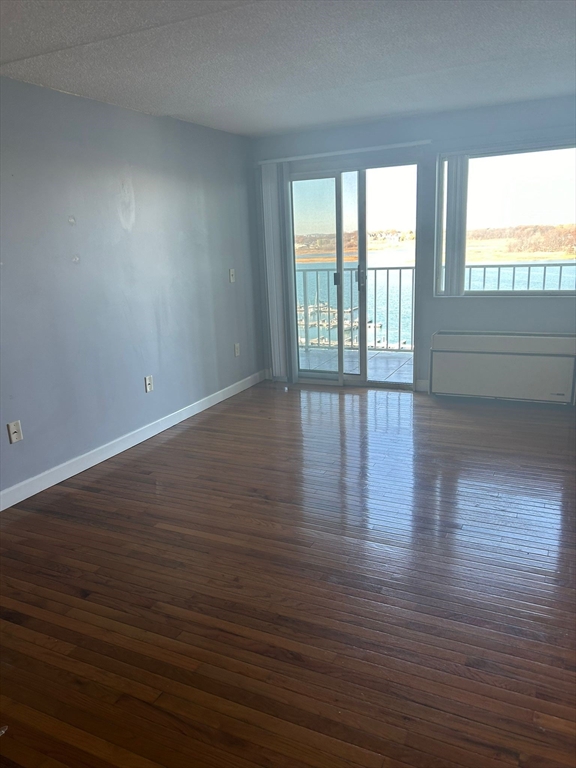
<point>497,128</point>
<point>138,285</point>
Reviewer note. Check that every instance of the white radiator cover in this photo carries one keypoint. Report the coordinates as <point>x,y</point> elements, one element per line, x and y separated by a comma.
<point>517,366</point>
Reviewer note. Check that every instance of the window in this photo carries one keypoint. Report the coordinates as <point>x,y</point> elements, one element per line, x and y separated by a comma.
<point>507,223</point>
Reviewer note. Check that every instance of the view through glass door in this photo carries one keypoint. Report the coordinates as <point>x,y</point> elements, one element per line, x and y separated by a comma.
<point>354,262</point>
<point>390,256</point>
<point>314,203</point>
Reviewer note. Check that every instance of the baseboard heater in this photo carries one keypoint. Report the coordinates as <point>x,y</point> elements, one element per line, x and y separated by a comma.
<point>512,366</point>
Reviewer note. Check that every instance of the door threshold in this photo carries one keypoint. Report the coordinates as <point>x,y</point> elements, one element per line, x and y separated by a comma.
<point>404,386</point>
<point>401,386</point>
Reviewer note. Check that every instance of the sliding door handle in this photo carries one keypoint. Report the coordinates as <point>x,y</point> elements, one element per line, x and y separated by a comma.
<point>336,278</point>
<point>361,278</point>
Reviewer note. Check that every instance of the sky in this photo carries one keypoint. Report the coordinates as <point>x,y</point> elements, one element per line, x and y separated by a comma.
<point>390,201</point>
<point>528,188</point>
<point>503,191</point>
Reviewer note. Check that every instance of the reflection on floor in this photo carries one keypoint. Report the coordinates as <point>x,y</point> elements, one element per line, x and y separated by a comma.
<point>301,577</point>
<point>392,366</point>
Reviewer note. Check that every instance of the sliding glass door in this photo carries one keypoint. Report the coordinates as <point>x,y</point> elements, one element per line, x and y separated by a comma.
<point>352,277</point>
<point>353,266</point>
<point>316,222</point>
<point>391,265</point>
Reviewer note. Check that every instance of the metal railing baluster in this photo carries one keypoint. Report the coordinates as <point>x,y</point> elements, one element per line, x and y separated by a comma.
<point>329,305</point>
<point>413,289</point>
<point>318,308</point>
<point>399,308</point>
<point>374,312</point>
<point>306,311</point>
<point>387,308</point>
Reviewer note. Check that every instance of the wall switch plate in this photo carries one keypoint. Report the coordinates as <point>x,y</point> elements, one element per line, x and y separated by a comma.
<point>15,432</point>
<point>148,383</point>
<point>232,273</point>
<point>236,350</point>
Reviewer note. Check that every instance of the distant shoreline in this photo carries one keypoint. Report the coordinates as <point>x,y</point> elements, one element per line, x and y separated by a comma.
<point>325,258</point>
<point>481,252</point>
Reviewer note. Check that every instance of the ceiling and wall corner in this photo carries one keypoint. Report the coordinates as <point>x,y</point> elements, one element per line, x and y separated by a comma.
<point>266,66</point>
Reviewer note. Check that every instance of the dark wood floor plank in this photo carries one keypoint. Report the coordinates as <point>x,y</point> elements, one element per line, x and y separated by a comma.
<point>302,576</point>
<point>15,753</point>
<point>52,736</point>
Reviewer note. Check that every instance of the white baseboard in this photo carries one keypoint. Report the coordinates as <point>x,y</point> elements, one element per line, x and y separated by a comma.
<point>421,385</point>
<point>56,475</point>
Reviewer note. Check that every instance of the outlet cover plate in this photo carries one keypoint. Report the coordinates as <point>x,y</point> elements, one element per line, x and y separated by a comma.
<point>15,432</point>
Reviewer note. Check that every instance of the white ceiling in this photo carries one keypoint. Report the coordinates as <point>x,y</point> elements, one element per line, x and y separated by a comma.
<point>262,66</point>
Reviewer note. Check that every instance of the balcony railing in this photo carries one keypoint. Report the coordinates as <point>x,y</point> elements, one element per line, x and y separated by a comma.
<point>533,276</point>
<point>390,300</point>
<point>390,296</point>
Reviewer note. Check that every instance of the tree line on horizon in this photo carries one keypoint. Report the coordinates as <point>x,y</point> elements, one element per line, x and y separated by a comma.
<point>531,238</point>
<point>525,238</point>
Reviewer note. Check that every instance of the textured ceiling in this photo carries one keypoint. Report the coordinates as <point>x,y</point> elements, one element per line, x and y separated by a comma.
<point>33,27</point>
<point>261,66</point>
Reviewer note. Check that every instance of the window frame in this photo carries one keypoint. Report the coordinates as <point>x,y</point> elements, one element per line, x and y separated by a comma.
<point>450,220</point>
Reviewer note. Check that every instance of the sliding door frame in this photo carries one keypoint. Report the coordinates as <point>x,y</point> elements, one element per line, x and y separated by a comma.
<point>340,273</point>
<point>338,378</point>
<point>362,280</point>
<point>402,157</point>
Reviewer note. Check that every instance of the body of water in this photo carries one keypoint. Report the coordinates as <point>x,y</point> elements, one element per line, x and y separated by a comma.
<point>389,294</point>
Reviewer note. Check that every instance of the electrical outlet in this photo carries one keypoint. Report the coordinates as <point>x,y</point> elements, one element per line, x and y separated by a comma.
<point>15,432</point>
<point>148,383</point>
<point>232,273</point>
<point>236,350</point>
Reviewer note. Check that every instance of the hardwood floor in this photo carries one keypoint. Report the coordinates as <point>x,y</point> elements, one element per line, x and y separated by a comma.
<point>301,577</point>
